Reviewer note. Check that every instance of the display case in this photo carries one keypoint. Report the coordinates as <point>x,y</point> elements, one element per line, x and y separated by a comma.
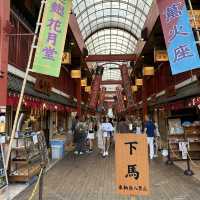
<point>183,139</point>
<point>3,176</point>
<point>25,160</point>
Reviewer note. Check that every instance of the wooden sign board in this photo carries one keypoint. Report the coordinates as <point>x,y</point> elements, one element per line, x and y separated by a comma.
<point>66,58</point>
<point>43,85</point>
<point>160,56</point>
<point>132,165</point>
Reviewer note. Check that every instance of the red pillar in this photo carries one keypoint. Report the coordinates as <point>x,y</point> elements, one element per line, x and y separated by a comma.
<point>144,97</point>
<point>78,96</point>
<point>4,42</point>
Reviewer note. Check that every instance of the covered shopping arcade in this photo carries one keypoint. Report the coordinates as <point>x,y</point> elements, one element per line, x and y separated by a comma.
<point>119,58</point>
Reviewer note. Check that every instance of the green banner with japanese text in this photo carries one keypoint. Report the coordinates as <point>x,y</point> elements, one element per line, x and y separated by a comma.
<point>51,41</point>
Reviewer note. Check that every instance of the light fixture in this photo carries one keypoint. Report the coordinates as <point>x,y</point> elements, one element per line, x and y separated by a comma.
<point>134,88</point>
<point>66,58</point>
<point>148,71</point>
<point>84,82</point>
<point>88,89</point>
<point>139,82</point>
<point>76,73</point>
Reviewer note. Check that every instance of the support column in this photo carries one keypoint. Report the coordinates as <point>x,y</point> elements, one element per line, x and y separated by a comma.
<point>4,44</point>
<point>144,98</point>
<point>78,96</point>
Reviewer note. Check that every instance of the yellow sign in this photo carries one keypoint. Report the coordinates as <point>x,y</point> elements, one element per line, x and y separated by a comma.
<point>161,56</point>
<point>132,165</point>
<point>197,18</point>
<point>66,58</point>
<point>76,73</point>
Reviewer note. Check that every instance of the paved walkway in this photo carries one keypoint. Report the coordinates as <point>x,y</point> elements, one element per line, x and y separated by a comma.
<point>90,177</point>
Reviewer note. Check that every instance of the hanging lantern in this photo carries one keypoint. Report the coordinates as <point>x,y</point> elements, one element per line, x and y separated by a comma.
<point>76,73</point>
<point>148,71</point>
<point>84,82</point>
<point>134,88</point>
<point>88,89</point>
<point>139,82</point>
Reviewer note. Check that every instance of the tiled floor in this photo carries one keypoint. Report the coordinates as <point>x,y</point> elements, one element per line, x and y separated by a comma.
<point>92,178</point>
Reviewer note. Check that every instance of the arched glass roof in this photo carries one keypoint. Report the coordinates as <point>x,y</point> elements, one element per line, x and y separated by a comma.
<point>111,26</point>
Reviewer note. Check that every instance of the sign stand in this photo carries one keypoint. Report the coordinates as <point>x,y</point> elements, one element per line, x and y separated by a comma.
<point>28,69</point>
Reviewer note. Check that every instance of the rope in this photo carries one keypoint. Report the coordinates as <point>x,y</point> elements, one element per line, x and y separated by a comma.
<point>178,157</point>
<point>36,185</point>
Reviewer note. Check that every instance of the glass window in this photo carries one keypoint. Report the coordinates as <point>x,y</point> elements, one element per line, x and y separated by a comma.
<point>111,27</point>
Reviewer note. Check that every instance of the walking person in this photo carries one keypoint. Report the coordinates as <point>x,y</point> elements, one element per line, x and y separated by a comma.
<point>91,134</point>
<point>100,142</point>
<point>122,125</point>
<point>149,129</point>
<point>106,128</point>
<point>81,131</point>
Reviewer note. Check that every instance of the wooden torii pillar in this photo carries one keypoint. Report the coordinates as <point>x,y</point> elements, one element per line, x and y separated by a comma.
<point>4,44</point>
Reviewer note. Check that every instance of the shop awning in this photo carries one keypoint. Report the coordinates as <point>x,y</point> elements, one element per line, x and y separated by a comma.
<point>15,85</point>
<point>182,93</point>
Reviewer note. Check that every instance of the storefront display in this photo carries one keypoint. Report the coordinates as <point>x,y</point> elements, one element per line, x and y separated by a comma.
<point>184,138</point>
<point>25,161</point>
<point>3,175</point>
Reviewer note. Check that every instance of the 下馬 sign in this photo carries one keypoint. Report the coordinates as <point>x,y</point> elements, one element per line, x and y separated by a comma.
<point>132,165</point>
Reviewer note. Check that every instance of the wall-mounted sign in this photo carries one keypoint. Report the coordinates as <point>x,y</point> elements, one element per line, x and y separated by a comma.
<point>197,18</point>
<point>132,164</point>
<point>43,86</point>
<point>66,58</point>
<point>160,56</point>
<point>49,52</point>
<point>179,38</point>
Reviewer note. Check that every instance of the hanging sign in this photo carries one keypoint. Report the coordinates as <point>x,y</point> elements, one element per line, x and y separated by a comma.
<point>120,107</point>
<point>179,38</point>
<point>160,56</point>
<point>132,164</point>
<point>49,52</point>
<point>127,85</point>
<point>66,58</point>
<point>197,18</point>
<point>96,87</point>
<point>102,98</point>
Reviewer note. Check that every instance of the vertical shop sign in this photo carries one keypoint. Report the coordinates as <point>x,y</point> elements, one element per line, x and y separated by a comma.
<point>132,165</point>
<point>179,38</point>
<point>49,52</point>
<point>96,87</point>
<point>102,98</point>
<point>127,86</point>
<point>120,107</point>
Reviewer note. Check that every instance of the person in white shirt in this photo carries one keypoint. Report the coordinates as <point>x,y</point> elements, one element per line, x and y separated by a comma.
<point>106,128</point>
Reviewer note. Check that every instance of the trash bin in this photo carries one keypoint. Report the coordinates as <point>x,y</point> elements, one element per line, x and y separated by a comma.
<point>56,152</point>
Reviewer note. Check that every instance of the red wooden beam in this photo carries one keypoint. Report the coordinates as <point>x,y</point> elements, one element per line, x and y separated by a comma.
<point>111,58</point>
<point>111,82</point>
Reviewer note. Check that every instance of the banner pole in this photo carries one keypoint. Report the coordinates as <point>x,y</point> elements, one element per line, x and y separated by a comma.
<point>24,83</point>
<point>194,19</point>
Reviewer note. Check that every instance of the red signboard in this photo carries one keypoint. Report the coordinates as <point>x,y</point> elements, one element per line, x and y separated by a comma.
<point>4,41</point>
<point>102,98</point>
<point>120,107</point>
<point>96,87</point>
<point>127,85</point>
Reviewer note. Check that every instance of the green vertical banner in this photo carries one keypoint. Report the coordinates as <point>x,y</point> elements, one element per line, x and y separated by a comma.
<point>51,41</point>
